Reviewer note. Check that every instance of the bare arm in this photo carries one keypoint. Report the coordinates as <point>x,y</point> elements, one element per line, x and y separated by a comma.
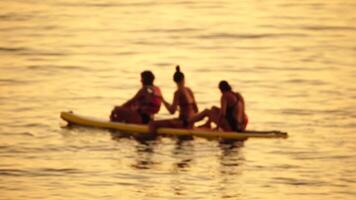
<point>195,106</point>
<point>172,108</point>
<point>133,100</point>
<point>240,108</point>
<point>223,102</point>
<point>240,114</point>
<point>222,112</point>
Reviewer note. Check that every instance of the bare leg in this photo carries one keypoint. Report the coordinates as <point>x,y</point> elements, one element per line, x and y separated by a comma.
<point>169,123</point>
<point>199,116</point>
<point>214,117</point>
<point>125,114</point>
<point>212,114</point>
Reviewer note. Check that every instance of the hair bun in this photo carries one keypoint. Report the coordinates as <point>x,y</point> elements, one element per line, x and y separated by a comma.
<point>177,68</point>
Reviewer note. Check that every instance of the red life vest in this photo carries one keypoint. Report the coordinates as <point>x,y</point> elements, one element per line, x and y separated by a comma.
<point>150,102</point>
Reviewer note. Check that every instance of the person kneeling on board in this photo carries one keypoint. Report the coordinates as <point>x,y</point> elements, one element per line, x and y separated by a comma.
<point>231,115</point>
<point>183,100</point>
<point>141,108</point>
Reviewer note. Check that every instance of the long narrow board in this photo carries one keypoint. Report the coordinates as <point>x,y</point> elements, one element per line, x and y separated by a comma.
<point>75,119</point>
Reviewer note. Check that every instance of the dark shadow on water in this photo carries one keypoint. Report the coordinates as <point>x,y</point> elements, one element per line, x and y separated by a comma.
<point>145,144</point>
<point>184,152</point>
<point>230,170</point>
<point>117,135</point>
<point>144,154</point>
<point>231,157</point>
<point>229,146</point>
<point>145,149</point>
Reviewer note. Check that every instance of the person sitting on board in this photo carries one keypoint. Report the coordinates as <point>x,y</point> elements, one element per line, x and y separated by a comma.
<point>141,108</point>
<point>231,116</point>
<point>183,100</point>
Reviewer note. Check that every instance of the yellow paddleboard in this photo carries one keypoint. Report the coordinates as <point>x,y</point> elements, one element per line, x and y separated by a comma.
<point>75,119</point>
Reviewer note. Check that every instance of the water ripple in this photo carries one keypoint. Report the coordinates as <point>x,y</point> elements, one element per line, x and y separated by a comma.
<point>296,182</point>
<point>108,5</point>
<point>304,81</point>
<point>168,30</point>
<point>57,67</point>
<point>15,17</point>
<point>13,82</point>
<point>329,28</point>
<point>27,51</point>
<point>249,36</point>
<point>13,49</point>
<point>47,172</point>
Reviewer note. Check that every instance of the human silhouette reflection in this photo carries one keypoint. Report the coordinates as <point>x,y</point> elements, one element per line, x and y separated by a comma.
<point>144,154</point>
<point>117,135</point>
<point>230,155</point>
<point>184,153</point>
<point>231,159</point>
<point>145,145</point>
<point>230,146</point>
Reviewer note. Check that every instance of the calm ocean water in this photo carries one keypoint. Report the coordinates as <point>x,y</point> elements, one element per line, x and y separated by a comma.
<point>294,62</point>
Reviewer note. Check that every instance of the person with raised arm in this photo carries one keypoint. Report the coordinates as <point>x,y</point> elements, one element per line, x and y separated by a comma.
<point>183,101</point>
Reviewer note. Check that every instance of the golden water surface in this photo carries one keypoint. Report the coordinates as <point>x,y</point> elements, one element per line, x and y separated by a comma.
<point>293,61</point>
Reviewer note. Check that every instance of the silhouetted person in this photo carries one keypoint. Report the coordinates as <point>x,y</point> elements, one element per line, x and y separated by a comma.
<point>183,101</point>
<point>231,115</point>
<point>141,108</point>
